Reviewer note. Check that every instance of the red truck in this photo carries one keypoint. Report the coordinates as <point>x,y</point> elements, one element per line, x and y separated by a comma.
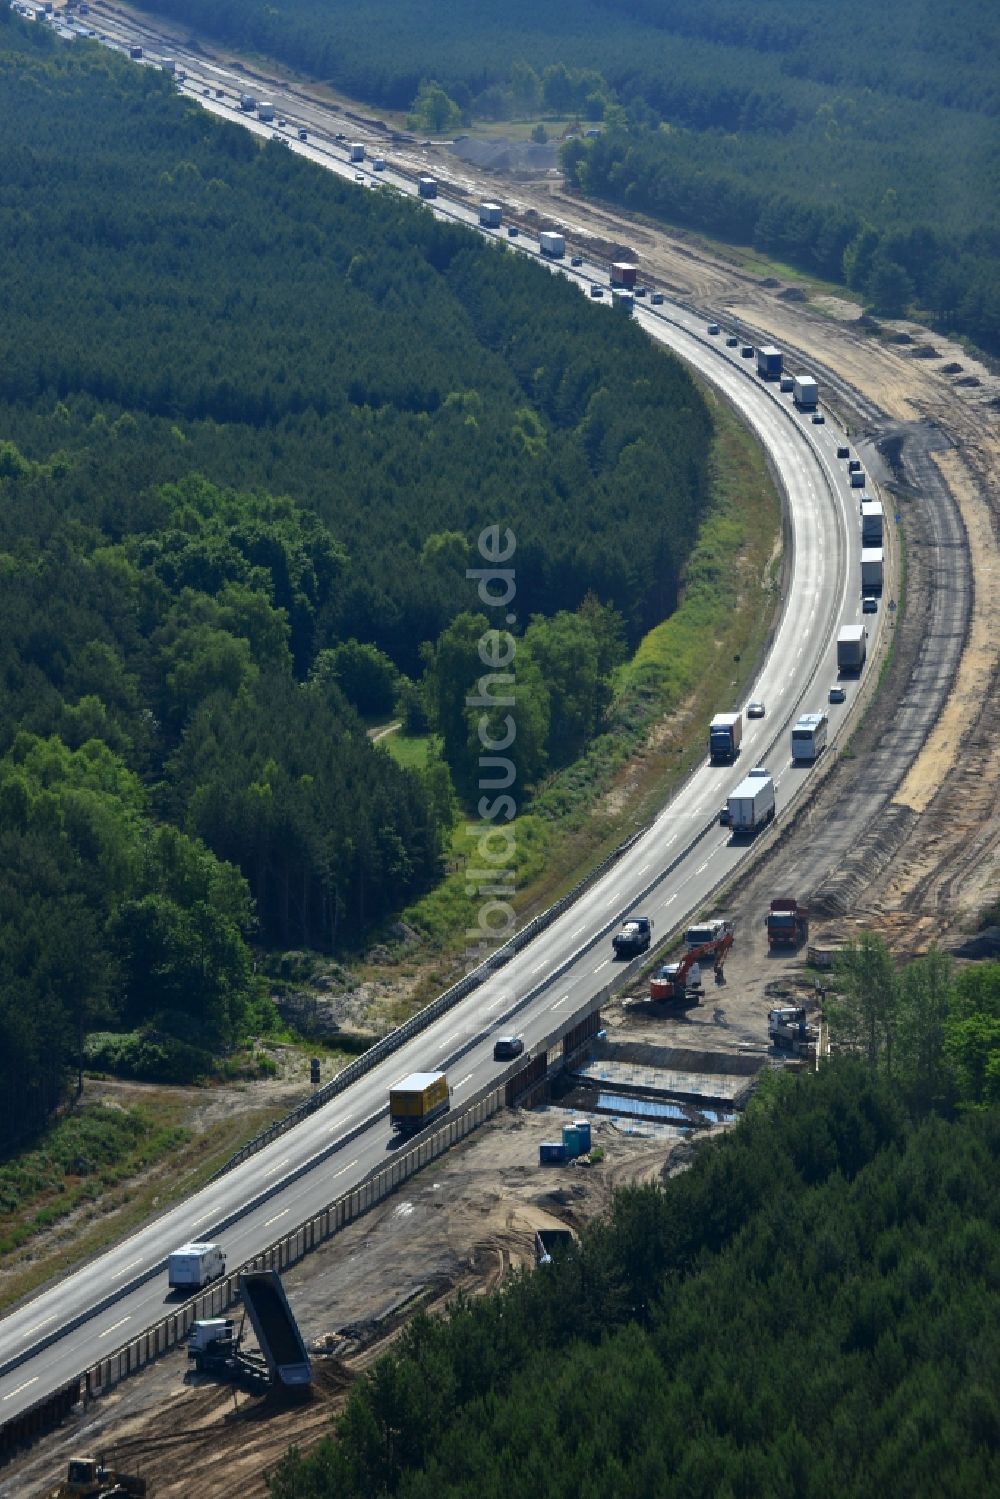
<point>787,923</point>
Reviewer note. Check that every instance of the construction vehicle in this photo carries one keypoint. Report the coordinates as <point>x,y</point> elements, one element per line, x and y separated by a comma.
<point>635,936</point>
<point>681,980</point>
<point>89,1478</point>
<point>787,1028</point>
<point>215,1346</point>
<point>787,923</point>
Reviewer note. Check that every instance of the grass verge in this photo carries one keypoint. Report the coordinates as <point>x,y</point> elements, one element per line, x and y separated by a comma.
<point>107,1167</point>
<point>699,661</point>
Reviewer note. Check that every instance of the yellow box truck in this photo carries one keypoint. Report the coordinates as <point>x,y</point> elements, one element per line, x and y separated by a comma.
<point>417,1100</point>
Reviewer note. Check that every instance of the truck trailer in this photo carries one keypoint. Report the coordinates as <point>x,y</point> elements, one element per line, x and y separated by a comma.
<point>805,392</point>
<point>624,274</point>
<point>195,1265</point>
<point>872,520</point>
<point>552,244</point>
<point>852,648</point>
<point>769,363</point>
<point>248,103</point>
<point>490,215</point>
<point>872,571</point>
<point>356,151</point>
<point>427,187</point>
<point>724,735</point>
<point>417,1100</point>
<point>265,110</point>
<point>751,805</point>
<point>624,300</point>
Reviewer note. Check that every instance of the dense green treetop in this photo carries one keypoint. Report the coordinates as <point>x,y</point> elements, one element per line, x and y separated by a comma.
<point>795,130</point>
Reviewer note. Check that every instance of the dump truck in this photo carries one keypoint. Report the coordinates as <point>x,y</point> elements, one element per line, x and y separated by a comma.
<point>751,805</point>
<point>417,1100</point>
<point>852,648</point>
<point>490,215</point>
<point>195,1265</point>
<point>91,1478</point>
<point>805,392</point>
<point>552,244</point>
<point>427,187</point>
<point>709,931</point>
<point>769,363</point>
<point>724,735</point>
<point>681,980</point>
<point>633,938</point>
<point>872,570</point>
<point>787,923</point>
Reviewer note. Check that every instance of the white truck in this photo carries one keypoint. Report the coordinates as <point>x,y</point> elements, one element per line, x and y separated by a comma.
<point>852,648</point>
<point>552,244</point>
<point>194,1265</point>
<point>491,215</point>
<point>265,110</point>
<point>751,805</point>
<point>427,187</point>
<point>872,570</point>
<point>356,151</point>
<point>805,392</point>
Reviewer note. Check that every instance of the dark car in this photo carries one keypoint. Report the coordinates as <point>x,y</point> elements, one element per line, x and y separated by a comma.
<point>595,290</point>
<point>713,328</point>
<point>731,342</point>
<point>725,817</point>
<point>656,298</point>
<point>577,260</point>
<point>837,694</point>
<point>818,418</point>
<point>747,351</point>
<point>512,231</point>
<point>843,452</point>
<point>869,605</point>
<point>640,291</point>
<point>507,1047</point>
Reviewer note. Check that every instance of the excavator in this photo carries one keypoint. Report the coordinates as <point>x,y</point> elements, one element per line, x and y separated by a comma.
<point>89,1478</point>
<point>678,980</point>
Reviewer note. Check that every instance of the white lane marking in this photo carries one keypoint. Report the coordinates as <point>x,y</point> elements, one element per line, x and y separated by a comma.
<point>497,1002</point>
<point>128,1267</point>
<point>602,965</point>
<point>579,930</point>
<point>644,867</point>
<point>269,1221</point>
<point>701,868</point>
<point>115,1325</point>
<point>464,1081</point>
<point>27,1384</point>
<point>559,1002</point>
<point>539,966</point>
<point>339,1123</point>
<point>670,901</point>
<point>44,1323</point>
<point>453,1035</point>
<point>272,1169</point>
<point>345,1168</point>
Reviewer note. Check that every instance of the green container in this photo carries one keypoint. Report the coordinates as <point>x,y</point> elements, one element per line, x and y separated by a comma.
<point>572,1144</point>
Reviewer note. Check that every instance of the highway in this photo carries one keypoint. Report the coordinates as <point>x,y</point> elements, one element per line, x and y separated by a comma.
<point>668,874</point>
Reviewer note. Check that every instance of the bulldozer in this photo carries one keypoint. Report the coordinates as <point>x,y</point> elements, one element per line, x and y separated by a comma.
<point>90,1478</point>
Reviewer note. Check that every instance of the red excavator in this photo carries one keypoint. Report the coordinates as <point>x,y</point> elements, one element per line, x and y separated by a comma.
<point>678,980</point>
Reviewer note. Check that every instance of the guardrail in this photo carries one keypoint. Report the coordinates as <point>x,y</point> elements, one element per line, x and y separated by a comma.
<point>426,1017</point>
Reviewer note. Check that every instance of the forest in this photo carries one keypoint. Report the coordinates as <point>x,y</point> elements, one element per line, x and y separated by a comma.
<point>859,144</point>
<point>252,424</point>
<point>809,1310</point>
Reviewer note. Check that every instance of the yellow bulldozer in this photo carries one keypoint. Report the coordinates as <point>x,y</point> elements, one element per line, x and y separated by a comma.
<point>89,1478</point>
